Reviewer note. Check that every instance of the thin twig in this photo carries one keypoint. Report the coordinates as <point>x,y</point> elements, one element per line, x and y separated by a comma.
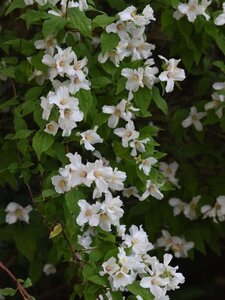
<point>20,288</point>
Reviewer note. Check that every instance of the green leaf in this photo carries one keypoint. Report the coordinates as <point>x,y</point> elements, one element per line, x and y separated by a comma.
<point>98,280</point>
<point>8,292</point>
<point>79,21</point>
<point>136,290</point>
<point>100,81</point>
<point>27,283</point>
<point>53,25</point>
<point>42,142</point>
<point>22,134</point>
<point>72,198</point>
<point>85,102</point>
<point>109,41</point>
<point>159,101</point>
<point>88,271</point>
<point>15,4</point>
<point>142,99</point>
<point>95,255</point>
<point>102,21</point>
<point>25,241</point>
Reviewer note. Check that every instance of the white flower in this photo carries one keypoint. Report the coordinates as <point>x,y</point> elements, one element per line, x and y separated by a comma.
<point>130,14</point>
<point>85,240</point>
<point>48,44</point>
<point>110,266</point>
<point>194,119</point>
<point>117,112</point>
<point>147,164</point>
<point>220,19</point>
<point>171,73</point>
<point>63,60</point>
<point>111,212</point>
<point>16,212</point>
<point>127,134</point>
<point>190,208</point>
<point>138,146</point>
<point>149,78</point>
<point>130,191</point>
<point>121,279</point>
<point>81,4</point>
<point>216,102</point>
<point>152,189</point>
<point>49,269</point>
<point>89,213</point>
<point>178,206</point>
<point>134,78</point>
<point>169,171</point>
<point>51,128</point>
<point>47,107</point>
<point>180,247</point>
<point>61,184</point>
<point>217,212</point>
<point>192,9</point>
<point>138,240</point>
<point>89,138</point>
<point>120,28</point>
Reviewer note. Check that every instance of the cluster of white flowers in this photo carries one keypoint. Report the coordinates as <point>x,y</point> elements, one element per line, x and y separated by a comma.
<point>192,10</point>
<point>133,261</point>
<point>130,29</point>
<point>104,214</point>
<point>178,245</point>
<point>76,173</point>
<point>16,212</point>
<point>63,64</point>
<point>188,209</point>
<point>217,103</point>
<point>169,171</point>
<point>217,212</point>
<point>81,4</point>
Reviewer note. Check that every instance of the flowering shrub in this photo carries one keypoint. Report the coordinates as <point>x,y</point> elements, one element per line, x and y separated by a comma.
<point>111,127</point>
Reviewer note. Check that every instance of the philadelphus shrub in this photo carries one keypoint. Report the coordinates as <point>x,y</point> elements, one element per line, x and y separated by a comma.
<point>86,100</point>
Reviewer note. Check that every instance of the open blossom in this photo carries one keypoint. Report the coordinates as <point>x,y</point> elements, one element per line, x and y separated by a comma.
<point>138,240</point>
<point>130,191</point>
<point>194,119</point>
<point>51,128</point>
<point>61,184</point>
<point>16,212</point>
<point>217,212</point>
<point>190,209</point>
<point>149,78</point>
<point>192,10</point>
<point>89,213</point>
<point>178,245</point>
<point>171,73</point>
<point>89,138</point>
<point>111,212</point>
<point>49,44</point>
<point>178,206</point>
<point>146,164</point>
<point>130,14</point>
<point>134,78</point>
<point>127,134</point>
<point>152,189</point>
<point>169,171</point>
<point>216,102</point>
<point>138,146</point>
<point>117,112</point>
